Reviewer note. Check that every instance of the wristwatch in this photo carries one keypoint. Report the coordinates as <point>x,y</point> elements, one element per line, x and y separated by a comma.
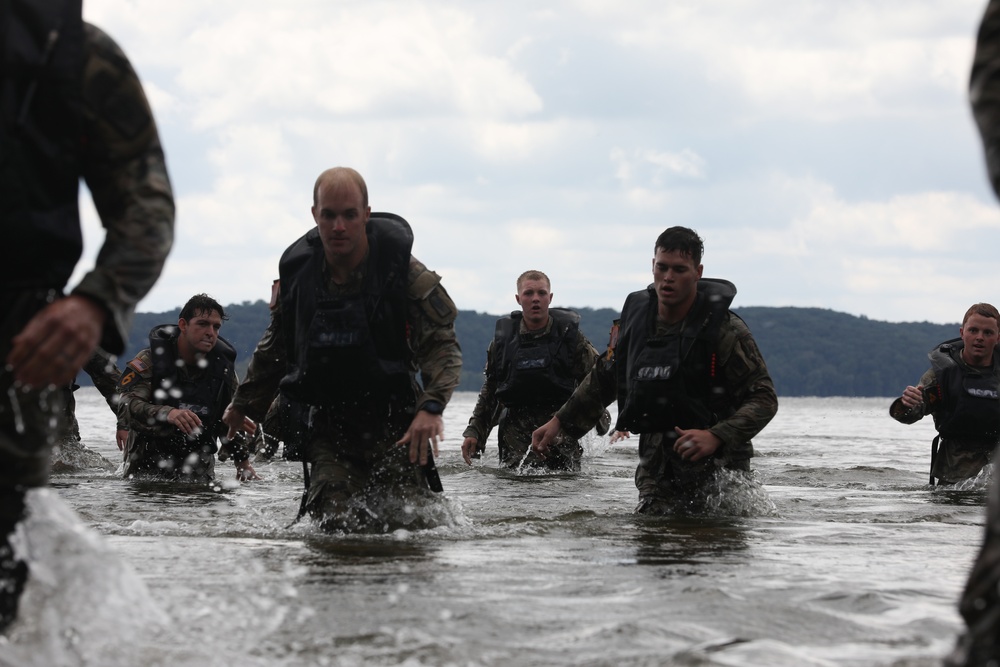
<point>433,407</point>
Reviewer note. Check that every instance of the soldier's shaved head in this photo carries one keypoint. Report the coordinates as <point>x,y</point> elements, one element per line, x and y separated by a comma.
<point>338,175</point>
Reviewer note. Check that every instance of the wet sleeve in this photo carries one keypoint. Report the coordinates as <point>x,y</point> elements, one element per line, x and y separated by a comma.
<point>267,366</point>
<point>105,374</point>
<point>597,390</point>
<point>137,405</point>
<point>125,170</point>
<point>748,384</point>
<point>906,415</point>
<point>237,448</point>
<point>486,413</point>
<point>432,335</point>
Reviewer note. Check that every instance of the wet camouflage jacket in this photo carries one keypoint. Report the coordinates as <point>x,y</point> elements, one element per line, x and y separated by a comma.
<point>745,379</point>
<point>431,337</point>
<point>488,407</point>
<point>145,416</point>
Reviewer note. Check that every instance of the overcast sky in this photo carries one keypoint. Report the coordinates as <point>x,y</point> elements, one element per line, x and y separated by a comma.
<point>823,149</point>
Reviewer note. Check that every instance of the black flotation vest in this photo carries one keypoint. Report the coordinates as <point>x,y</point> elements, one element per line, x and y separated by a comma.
<point>970,408</point>
<point>668,381</point>
<point>353,349</point>
<point>536,370</point>
<point>200,395</point>
<point>40,141</point>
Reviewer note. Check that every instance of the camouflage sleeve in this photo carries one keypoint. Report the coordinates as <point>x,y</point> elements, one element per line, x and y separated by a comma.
<point>485,414</point>
<point>267,366</point>
<point>137,406</point>
<point>906,415</point>
<point>237,448</point>
<point>597,390</point>
<point>432,335</point>
<point>105,374</point>
<point>126,173</point>
<point>584,358</point>
<point>747,382</point>
<point>984,89</point>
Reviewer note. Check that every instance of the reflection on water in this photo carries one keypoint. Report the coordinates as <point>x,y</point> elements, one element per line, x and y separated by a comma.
<point>839,553</point>
<point>686,540</point>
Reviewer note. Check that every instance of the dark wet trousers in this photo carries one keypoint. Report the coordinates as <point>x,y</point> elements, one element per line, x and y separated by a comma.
<point>13,572</point>
<point>980,603</point>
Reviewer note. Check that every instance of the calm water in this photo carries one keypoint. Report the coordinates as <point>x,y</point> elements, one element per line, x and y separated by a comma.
<point>846,557</point>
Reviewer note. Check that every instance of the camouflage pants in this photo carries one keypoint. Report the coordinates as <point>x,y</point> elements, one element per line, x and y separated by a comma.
<point>667,482</point>
<point>956,461</point>
<point>360,479</point>
<point>31,422</point>
<point>514,440</point>
<point>980,603</point>
<point>174,457</point>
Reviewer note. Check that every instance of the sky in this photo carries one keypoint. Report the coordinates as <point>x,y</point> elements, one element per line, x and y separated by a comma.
<point>824,149</point>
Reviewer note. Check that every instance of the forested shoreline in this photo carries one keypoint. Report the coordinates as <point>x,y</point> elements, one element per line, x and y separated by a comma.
<point>809,351</point>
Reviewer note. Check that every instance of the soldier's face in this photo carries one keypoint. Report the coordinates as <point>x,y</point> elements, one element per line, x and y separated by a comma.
<point>675,277</point>
<point>201,332</point>
<point>341,217</point>
<point>979,334</point>
<point>534,298</point>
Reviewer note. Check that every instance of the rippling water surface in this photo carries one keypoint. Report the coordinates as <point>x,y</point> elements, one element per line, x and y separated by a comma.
<point>842,555</point>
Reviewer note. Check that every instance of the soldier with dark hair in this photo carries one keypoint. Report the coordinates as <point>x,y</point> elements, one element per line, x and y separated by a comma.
<point>960,390</point>
<point>173,394</point>
<point>536,359</point>
<point>70,107</point>
<point>687,375</point>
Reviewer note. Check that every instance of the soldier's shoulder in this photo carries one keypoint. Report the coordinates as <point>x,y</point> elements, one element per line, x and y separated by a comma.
<point>101,45</point>
<point>424,287</point>
<point>142,363</point>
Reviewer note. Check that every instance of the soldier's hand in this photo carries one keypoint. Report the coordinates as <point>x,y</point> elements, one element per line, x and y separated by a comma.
<point>470,449</point>
<point>543,436</point>
<point>424,429</point>
<point>620,435</point>
<point>912,397</point>
<point>56,343</point>
<point>245,471</point>
<point>695,444</point>
<point>121,438</point>
<point>186,421</point>
<point>237,421</point>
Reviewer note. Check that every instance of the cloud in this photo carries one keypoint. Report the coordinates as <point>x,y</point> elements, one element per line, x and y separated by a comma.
<point>823,149</point>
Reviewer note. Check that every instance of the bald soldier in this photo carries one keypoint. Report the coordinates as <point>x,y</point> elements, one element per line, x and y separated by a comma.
<point>357,317</point>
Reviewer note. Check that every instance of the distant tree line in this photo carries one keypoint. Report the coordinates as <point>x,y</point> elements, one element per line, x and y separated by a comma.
<point>809,351</point>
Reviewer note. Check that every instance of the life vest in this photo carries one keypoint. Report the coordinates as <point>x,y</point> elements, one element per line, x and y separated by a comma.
<point>968,403</point>
<point>41,116</point>
<point>199,395</point>
<point>536,370</point>
<point>353,349</point>
<point>671,381</point>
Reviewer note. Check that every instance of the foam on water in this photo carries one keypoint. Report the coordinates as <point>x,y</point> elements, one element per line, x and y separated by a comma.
<point>81,598</point>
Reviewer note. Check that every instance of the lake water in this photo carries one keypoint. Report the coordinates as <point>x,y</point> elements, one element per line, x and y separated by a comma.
<point>848,557</point>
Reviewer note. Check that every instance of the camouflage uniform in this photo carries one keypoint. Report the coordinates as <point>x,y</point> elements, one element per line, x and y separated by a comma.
<point>662,476</point>
<point>517,423</point>
<point>124,169</point>
<point>157,447</point>
<point>352,450</point>
<point>71,454</point>
<point>980,603</point>
<point>122,162</point>
<point>952,459</point>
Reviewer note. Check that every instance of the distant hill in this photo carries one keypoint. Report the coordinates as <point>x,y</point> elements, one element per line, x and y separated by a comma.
<point>809,351</point>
